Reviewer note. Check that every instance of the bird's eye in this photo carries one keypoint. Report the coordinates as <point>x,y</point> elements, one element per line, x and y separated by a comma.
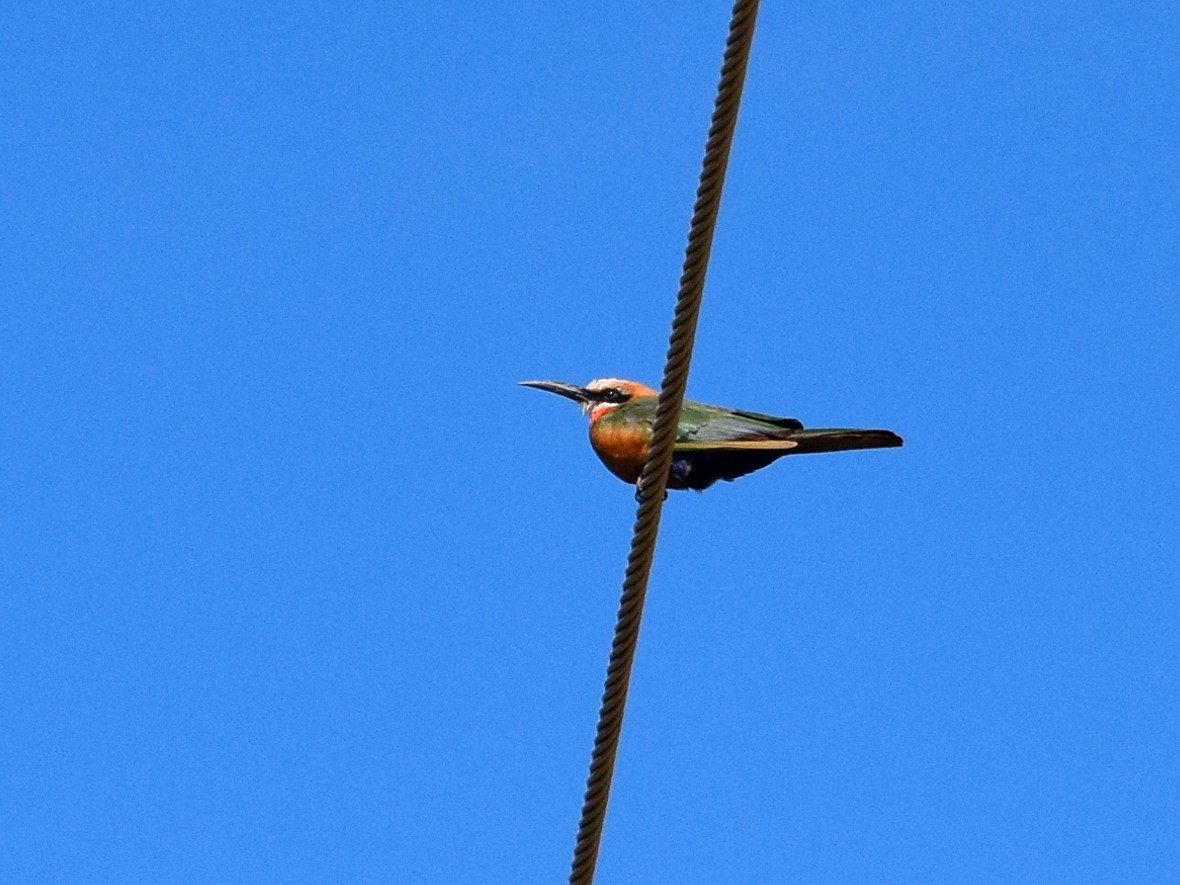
<point>614,395</point>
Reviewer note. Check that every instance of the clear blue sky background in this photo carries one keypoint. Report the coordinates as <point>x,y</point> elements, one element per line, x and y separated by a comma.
<point>298,586</point>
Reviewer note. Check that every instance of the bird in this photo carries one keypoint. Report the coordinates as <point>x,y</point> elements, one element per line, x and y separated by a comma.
<point>712,442</point>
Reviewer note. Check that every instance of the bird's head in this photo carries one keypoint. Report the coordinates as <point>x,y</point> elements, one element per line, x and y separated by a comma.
<point>600,396</point>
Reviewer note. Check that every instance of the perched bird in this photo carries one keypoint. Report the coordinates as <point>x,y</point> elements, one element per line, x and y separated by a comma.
<point>712,442</point>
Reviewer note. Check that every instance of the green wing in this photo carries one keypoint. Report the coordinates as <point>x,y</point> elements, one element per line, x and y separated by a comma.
<point>704,427</point>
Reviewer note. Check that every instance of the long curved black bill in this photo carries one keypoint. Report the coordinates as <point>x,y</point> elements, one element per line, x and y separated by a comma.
<point>569,391</point>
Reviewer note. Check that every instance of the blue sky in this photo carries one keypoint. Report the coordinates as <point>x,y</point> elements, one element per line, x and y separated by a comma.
<point>296,585</point>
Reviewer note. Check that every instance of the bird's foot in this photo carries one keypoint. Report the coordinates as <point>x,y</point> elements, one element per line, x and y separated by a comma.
<point>639,495</point>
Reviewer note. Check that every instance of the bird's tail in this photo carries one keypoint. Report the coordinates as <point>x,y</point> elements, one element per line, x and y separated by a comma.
<point>839,439</point>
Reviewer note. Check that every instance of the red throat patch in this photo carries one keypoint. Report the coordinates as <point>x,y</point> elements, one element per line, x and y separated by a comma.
<point>601,409</point>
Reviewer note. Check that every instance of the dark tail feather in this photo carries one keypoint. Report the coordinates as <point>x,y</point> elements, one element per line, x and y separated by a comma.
<point>840,439</point>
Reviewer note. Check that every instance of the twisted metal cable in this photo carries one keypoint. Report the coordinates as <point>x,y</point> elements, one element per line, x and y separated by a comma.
<point>654,480</point>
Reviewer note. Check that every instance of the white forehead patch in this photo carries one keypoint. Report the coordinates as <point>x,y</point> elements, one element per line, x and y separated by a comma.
<point>604,383</point>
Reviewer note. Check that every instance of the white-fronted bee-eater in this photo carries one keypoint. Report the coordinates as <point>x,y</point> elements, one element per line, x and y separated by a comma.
<point>712,442</point>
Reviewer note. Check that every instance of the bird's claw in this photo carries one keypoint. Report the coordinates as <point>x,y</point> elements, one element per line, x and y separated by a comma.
<point>639,495</point>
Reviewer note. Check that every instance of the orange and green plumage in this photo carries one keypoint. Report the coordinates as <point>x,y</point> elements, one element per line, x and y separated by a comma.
<point>712,443</point>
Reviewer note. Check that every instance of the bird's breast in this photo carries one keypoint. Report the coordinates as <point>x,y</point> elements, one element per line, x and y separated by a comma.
<point>622,447</point>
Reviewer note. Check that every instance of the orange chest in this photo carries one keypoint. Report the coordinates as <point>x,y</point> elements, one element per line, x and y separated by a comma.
<point>621,447</point>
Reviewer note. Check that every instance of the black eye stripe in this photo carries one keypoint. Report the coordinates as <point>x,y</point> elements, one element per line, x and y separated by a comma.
<point>611,395</point>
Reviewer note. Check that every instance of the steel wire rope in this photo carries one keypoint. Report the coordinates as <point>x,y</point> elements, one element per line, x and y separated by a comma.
<point>654,479</point>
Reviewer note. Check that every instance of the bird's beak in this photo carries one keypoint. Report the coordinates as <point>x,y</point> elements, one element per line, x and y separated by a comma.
<point>579,395</point>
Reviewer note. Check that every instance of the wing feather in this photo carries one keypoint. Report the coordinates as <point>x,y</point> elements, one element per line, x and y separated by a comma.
<point>736,445</point>
<point>709,424</point>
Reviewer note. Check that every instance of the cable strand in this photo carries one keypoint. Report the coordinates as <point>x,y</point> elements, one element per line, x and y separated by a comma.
<point>653,481</point>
